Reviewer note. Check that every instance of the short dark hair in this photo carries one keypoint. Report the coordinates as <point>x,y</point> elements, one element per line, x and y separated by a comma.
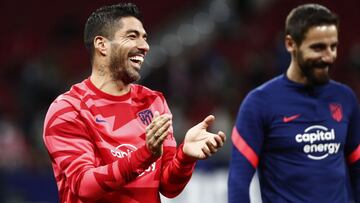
<point>305,16</point>
<point>102,22</point>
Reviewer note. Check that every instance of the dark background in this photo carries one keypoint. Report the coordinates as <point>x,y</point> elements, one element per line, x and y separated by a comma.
<point>205,56</point>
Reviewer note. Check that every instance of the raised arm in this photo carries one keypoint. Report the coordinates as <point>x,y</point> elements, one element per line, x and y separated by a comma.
<point>198,144</point>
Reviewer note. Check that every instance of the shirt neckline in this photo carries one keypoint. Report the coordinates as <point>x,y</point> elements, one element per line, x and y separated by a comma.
<point>105,95</point>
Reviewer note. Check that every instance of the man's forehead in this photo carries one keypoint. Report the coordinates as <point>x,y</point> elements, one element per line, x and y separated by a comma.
<point>322,33</point>
<point>322,29</point>
<point>130,23</point>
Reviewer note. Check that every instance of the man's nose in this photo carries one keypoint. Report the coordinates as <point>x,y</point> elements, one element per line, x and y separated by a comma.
<point>143,45</point>
<point>329,55</point>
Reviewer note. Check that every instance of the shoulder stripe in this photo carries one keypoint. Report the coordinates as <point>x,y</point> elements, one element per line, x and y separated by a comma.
<point>354,156</point>
<point>244,148</point>
<point>55,115</point>
<point>65,117</point>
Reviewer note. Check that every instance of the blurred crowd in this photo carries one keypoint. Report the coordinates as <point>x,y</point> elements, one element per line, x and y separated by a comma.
<point>43,55</point>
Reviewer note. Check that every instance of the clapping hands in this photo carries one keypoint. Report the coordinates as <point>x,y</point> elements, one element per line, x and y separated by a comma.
<point>201,144</point>
<point>198,142</point>
<point>157,132</point>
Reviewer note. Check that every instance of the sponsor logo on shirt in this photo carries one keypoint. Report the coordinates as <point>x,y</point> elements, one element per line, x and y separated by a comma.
<point>291,118</point>
<point>319,142</point>
<point>125,150</point>
<point>98,120</point>
<point>146,116</point>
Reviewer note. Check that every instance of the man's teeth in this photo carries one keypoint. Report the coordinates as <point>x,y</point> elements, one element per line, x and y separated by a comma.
<point>137,58</point>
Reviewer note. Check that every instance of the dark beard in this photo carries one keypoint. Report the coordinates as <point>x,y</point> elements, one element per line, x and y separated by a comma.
<point>119,68</point>
<point>308,69</point>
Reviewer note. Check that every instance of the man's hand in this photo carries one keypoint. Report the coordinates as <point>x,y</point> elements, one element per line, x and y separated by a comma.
<point>157,131</point>
<point>201,144</point>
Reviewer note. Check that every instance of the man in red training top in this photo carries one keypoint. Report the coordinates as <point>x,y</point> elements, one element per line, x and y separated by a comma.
<point>111,140</point>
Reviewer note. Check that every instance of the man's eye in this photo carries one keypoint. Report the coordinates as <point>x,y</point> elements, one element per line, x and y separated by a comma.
<point>318,47</point>
<point>333,47</point>
<point>132,36</point>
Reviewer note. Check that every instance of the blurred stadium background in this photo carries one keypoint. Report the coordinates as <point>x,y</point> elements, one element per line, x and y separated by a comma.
<point>205,56</point>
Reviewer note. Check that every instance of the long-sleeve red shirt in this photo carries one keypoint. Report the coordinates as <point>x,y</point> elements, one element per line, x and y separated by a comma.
<point>96,142</point>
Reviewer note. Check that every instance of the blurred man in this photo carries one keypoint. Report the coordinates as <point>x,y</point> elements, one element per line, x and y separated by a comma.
<point>300,130</point>
<point>110,140</point>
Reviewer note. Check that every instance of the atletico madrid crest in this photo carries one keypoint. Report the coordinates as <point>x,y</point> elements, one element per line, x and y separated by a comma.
<point>336,111</point>
<point>146,116</point>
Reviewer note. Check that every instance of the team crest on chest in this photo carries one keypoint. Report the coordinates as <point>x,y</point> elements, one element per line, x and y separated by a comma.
<point>336,111</point>
<point>146,116</point>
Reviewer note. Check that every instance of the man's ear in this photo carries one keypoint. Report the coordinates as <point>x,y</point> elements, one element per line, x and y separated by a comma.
<point>101,45</point>
<point>290,44</point>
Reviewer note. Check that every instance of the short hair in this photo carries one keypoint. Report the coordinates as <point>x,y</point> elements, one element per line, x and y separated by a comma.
<point>103,22</point>
<point>305,16</point>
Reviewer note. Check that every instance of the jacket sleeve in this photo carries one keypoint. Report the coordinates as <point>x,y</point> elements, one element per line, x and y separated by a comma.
<point>247,139</point>
<point>177,167</point>
<point>176,173</point>
<point>353,150</point>
<point>72,153</point>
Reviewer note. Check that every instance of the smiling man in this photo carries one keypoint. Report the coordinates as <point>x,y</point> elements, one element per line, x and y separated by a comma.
<point>301,129</point>
<point>111,140</point>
